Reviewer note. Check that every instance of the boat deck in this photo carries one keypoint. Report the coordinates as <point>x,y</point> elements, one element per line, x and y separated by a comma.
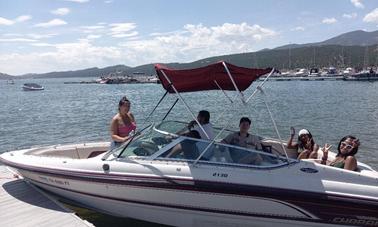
<point>24,205</point>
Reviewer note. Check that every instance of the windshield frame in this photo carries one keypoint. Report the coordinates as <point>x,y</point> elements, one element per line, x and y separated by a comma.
<point>176,139</point>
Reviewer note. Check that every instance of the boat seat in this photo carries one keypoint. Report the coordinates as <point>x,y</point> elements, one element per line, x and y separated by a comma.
<point>95,153</point>
<point>221,155</point>
<point>274,146</point>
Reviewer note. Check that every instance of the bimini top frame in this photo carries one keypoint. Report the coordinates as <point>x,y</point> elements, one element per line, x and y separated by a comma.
<point>219,76</point>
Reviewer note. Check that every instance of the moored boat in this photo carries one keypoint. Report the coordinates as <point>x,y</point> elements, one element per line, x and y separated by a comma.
<point>141,179</point>
<point>32,87</point>
<point>366,75</point>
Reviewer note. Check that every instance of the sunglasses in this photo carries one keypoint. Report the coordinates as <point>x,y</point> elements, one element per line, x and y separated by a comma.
<point>346,145</point>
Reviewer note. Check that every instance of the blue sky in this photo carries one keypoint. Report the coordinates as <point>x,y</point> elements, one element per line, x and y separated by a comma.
<point>39,36</point>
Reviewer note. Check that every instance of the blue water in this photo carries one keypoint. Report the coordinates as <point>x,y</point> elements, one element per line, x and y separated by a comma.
<point>71,113</point>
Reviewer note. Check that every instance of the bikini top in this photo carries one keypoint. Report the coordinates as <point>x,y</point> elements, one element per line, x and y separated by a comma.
<point>124,130</point>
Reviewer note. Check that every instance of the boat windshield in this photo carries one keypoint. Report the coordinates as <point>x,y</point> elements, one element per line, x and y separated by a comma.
<point>162,142</point>
<point>189,149</point>
<point>146,144</point>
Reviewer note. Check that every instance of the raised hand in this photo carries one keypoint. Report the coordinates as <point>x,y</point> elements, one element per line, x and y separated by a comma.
<point>191,124</point>
<point>292,131</point>
<point>325,150</point>
<point>356,143</point>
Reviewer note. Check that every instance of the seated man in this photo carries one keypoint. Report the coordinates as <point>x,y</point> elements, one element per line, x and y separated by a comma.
<point>246,140</point>
<point>203,118</point>
<point>187,147</point>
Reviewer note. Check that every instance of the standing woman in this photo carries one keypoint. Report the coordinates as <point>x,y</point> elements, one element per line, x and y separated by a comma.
<point>123,123</point>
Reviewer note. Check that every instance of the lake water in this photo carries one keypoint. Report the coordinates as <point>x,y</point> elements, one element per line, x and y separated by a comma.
<point>73,113</point>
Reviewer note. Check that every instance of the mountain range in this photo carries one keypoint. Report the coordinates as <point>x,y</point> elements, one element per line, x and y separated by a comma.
<point>353,49</point>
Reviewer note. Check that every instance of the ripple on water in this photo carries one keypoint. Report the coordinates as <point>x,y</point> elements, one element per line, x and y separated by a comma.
<point>66,113</point>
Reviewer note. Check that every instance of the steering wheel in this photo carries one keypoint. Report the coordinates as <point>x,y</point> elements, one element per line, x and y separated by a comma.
<point>146,148</point>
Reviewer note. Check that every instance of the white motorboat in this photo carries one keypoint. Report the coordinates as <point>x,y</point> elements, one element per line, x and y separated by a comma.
<point>32,87</point>
<point>143,180</point>
<point>365,75</point>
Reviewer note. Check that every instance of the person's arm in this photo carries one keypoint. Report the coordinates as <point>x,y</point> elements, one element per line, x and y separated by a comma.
<point>350,163</point>
<point>290,143</point>
<point>304,154</point>
<point>189,127</point>
<point>174,151</point>
<point>314,153</point>
<point>325,150</point>
<point>227,139</point>
<point>114,131</point>
<point>258,144</point>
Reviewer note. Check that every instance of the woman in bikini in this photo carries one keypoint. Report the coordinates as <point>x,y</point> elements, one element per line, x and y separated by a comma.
<point>123,123</point>
<point>305,145</point>
<point>348,147</point>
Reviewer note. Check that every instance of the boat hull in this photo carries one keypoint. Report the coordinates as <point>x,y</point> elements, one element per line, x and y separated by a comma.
<point>199,203</point>
<point>32,88</point>
<point>165,206</point>
<point>182,194</point>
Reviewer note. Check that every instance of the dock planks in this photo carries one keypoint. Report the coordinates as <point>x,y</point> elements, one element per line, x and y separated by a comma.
<point>23,205</point>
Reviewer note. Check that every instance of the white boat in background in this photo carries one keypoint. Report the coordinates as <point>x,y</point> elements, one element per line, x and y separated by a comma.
<point>142,179</point>
<point>301,72</point>
<point>32,87</point>
<point>365,75</point>
<point>314,72</point>
<point>348,71</point>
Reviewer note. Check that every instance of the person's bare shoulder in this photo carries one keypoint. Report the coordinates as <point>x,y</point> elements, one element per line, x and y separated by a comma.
<point>351,159</point>
<point>116,118</point>
<point>132,116</point>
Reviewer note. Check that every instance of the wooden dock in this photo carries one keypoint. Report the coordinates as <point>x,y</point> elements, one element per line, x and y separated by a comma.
<point>24,205</point>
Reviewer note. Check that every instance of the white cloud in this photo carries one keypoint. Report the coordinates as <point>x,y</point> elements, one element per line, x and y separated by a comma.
<point>23,18</point>
<point>299,28</point>
<point>118,30</point>
<point>4,21</point>
<point>41,36</point>
<point>108,1</point>
<point>61,11</point>
<point>357,3</point>
<point>42,45</point>
<point>16,40</point>
<point>329,20</point>
<point>190,43</point>
<point>372,16</point>
<point>51,23</point>
<point>350,16</point>
<point>65,56</point>
<point>78,1</point>
<point>92,29</point>
<point>94,36</point>
<point>196,42</point>
<point>124,35</point>
<point>30,35</point>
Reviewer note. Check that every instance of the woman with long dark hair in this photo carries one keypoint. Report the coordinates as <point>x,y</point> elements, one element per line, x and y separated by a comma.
<point>305,145</point>
<point>123,123</point>
<point>347,148</point>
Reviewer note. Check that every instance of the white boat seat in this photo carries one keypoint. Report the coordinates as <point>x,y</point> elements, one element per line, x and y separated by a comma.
<point>274,146</point>
<point>221,155</point>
